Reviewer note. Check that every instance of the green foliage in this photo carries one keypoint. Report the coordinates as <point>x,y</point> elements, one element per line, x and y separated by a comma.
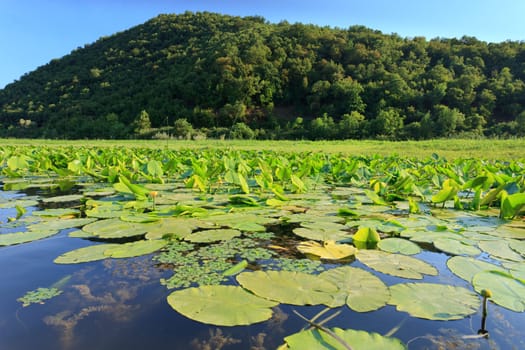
<point>39,296</point>
<point>220,72</point>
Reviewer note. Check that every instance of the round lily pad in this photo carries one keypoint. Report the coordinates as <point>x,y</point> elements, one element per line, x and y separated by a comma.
<point>506,290</point>
<point>455,247</point>
<point>466,267</point>
<point>206,236</point>
<point>221,305</point>
<point>353,339</point>
<point>398,245</point>
<point>288,287</point>
<point>85,254</point>
<point>434,301</point>
<point>24,237</point>
<point>321,234</point>
<point>396,264</point>
<point>132,249</point>
<point>116,228</point>
<point>500,250</point>
<point>327,250</point>
<point>359,289</point>
<point>62,199</point>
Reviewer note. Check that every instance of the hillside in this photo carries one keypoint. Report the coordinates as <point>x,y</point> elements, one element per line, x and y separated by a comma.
<point>250,78</point>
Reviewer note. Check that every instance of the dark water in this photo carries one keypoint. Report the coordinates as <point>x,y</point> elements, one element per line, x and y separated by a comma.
<point>120,304</point>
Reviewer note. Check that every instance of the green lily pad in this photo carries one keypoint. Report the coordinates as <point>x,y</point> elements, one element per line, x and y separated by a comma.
<point>63,199</point>
<point>517,246</point>
<point>516,269</point>
<point>466,267</point>
<point>24,237</point>
<point>221,305</point>
<point>60,224</point>
<point>56,212</point>
<point>207,236</point>
<point>500,250</point>
<point>507,291</point>
<point>116,228</point>
<point>24,203</point>
<point>288,287</point>
<point>359,289</point>
<point>321,234</point>
<point>398,245</point>
<point>132,249</point>
<point>396,264</point>
<point>357,340</point>
<point>85,254</point>
<point>434,301</point>
<point>171,227</point>
<point>455,247</point>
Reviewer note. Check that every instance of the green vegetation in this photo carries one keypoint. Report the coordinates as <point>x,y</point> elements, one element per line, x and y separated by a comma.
<point>295,228</point>
<point>198,75</point>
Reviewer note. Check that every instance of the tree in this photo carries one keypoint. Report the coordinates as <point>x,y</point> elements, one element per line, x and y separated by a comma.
<point>182,128</point>
<point>142,123</point>
<point>446,120</point>
<point>351,126</point>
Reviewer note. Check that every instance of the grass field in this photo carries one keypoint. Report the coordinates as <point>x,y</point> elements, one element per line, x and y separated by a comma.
<point>451,149</point>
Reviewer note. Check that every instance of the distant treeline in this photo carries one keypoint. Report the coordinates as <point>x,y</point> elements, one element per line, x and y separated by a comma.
<point>211,75</point>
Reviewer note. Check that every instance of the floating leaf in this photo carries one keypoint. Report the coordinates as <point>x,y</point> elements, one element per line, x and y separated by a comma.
<point>85,254</point>
<point>206,236</point>
<point>500,250</point>
<point>456,247</point>
<point>466,267</point>
<point>506,290</point>
<point>516,269</point>
<point>116,228</point>
<point>171,227</point>
<point>517,246</point>
<point>38,296</point>
<point>320,234</point>
<point>434,301</point>
<point>132,249</point>
<point>60,224</point>
<point>294,288</point>
<point>221,305</point>
<point>327,249</point>
<point>57,212</point>
<point>396,264</point>
<point>398,245</point>
<point>357,340</point>
<point>62,199</point>
<point>24,237</point>
<point>359,289</point>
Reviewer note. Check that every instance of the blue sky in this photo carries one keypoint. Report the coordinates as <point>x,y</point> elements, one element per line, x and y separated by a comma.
<point>32,32</point>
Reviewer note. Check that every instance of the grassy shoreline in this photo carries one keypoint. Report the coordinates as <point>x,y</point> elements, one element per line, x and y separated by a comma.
<point>489,149</point>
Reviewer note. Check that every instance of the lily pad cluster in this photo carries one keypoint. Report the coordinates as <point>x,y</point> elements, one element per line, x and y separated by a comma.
<point>242,232</point>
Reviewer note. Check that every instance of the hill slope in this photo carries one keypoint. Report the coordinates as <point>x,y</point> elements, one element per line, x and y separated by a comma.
<point>217,71</point>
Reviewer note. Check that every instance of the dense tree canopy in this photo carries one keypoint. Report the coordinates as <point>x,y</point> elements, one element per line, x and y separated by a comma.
<point>244,77</point>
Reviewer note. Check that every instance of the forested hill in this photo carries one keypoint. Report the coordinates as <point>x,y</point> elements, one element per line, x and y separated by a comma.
<point>211,74</point>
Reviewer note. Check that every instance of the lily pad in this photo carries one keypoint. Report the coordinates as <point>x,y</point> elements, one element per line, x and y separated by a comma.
<point>455,247</point>
<point>24,237</point>
<point>288,287</point>
<point>63,199</point>
<point>500,250</point>
<point>398,245</point>
<point>356,340</point>
<point>207,236</point>
<point>434,301</point>
<point>321,234</point>
<point>221,305</point>
<point>359,289</point>
<point>327,250</point>
<point>116,228</point>
<point>85,254</point>
<point>506,290</point>
<point>132,249</point>
<point>516,269</point>
<point>171,227</point>
<point>60,224</point>
<point>396,264</point>
<point>466,267</point>
<point>56,212</point>
<point>517,246</point>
